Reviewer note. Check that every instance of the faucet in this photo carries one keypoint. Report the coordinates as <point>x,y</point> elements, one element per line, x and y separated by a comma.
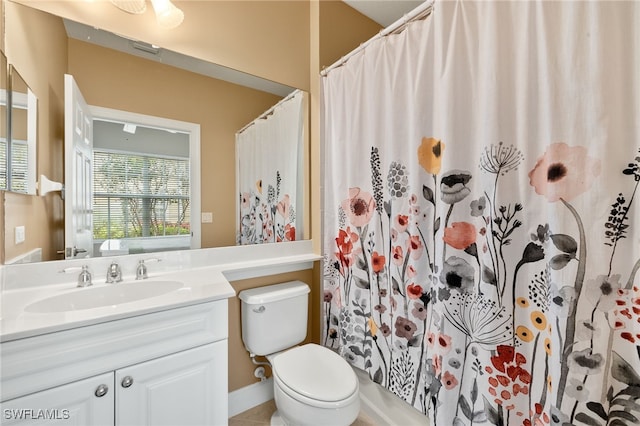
<point>114,274</point>
<point>84,279</point>
<point>141,270</point>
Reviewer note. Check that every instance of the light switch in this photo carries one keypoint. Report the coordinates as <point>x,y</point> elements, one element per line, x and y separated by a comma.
<point>207,217</point>
<point>20,234</point>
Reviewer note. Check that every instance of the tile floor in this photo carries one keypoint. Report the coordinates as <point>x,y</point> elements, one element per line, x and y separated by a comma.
<point>260,416</point>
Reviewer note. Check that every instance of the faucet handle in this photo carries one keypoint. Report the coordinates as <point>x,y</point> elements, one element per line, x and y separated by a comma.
<point>141,270</point>
<point>84,279</point>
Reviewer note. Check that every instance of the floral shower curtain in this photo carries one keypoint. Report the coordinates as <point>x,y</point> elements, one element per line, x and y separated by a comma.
<point>269,155</point>
<point>481,221</point>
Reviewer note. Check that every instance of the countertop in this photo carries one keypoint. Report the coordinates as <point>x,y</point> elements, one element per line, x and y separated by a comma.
<point>200,284</point>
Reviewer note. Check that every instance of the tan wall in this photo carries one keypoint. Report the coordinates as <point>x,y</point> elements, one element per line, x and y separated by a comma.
<point>112,79</point>
<point>269,39</point>
<point>38,49</point>
<point>342,29</point>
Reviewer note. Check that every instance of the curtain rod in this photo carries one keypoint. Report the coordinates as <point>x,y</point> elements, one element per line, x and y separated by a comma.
<point>419,13</point>
<point>270,110</point>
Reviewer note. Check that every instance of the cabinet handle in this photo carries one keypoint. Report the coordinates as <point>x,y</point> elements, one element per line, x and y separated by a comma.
<point>101,390</point>
<point>127,381</point>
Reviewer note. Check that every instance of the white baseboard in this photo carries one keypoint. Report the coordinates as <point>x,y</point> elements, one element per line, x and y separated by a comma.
<point>250,396</point>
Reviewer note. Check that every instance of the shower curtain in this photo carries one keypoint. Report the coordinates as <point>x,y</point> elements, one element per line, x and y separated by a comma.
<point>481,220</point>
<point>269,155</point>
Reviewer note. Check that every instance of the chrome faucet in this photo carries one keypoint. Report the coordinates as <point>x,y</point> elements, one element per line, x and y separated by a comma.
<point>141,270</point>
<point>114,273</point>
<point>84,279</point>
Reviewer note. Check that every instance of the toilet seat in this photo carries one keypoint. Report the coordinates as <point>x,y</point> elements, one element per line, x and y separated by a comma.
<point>316,376</point>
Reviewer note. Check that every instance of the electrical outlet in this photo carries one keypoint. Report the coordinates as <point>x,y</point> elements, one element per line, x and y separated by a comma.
<point>207,217</point>
<point>20,234</point>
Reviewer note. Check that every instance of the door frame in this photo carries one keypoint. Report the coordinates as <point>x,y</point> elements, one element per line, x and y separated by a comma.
<point>193,130</point>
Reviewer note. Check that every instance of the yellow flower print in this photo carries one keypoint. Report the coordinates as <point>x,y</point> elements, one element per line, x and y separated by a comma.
<point>430,155</point>
<point>259,185</point>
<point>524,333</point>
<point>539,320</point>
<point>523,302</point>
<point>547,346</point>
<point>372,326</point>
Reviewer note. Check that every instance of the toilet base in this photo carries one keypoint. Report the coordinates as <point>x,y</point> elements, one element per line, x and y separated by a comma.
<point>276,420</point>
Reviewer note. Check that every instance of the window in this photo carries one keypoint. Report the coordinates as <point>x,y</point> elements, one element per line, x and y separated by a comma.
<point>140,196</point>
<point>19,165</point>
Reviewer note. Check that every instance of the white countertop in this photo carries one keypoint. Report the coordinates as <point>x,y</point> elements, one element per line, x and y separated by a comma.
<point>201,283</point>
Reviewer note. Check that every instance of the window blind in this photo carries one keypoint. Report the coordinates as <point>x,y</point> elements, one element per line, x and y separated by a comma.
<point>138,195</point>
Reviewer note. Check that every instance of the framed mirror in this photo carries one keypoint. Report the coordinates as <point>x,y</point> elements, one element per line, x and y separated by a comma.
<point>23,129</point>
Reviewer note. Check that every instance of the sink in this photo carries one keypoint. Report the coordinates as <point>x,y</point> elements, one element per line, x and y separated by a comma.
<point>98,297</point>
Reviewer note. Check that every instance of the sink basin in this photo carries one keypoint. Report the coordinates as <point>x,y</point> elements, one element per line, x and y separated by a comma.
<point>98,297</point>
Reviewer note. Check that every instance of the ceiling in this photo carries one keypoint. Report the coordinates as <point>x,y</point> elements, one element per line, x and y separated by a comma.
<point>384,12</point>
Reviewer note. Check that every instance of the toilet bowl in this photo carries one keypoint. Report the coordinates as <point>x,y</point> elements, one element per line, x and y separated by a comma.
<point>314,386</point>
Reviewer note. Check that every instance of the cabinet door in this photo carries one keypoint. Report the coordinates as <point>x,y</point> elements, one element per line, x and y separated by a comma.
<point>186,388</point>
<point>88,402</point>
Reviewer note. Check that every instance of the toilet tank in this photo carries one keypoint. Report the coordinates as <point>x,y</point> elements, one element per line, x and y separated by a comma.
<point>274,317</point>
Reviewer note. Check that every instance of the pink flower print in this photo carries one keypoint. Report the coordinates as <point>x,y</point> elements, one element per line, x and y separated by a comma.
<point>437,365</point>
<point>359,207</point>
<point>415,244</point>
<point>449,381</point>
<point>244,200</point>
<point>411,271</point>
<point>283,206</point>
<point>414,291</point>
<point>564,172</point>
<point>402,221</point>
<point>397,255</point>
<point>444,343</point>
<point>289,232</point>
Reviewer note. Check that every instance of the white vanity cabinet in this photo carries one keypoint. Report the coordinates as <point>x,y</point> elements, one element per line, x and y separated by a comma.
<point>163,368</point>
<point>85,402</point>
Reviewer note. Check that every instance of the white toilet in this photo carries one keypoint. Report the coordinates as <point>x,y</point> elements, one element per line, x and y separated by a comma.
<point>312,384</point>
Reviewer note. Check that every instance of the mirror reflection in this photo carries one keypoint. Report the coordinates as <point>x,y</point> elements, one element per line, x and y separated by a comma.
<point>142,82</point>
<point>21,151</point>
<point>4,116</point>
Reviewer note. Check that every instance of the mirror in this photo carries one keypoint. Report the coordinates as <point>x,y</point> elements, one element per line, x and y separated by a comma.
<point>145,81</point>
<point>4,117</point>
<point>21,149</point>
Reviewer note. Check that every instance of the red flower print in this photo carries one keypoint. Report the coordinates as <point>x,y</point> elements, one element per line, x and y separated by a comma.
<point>289,232</point>
<point>444,343</point>
<point>414,291</point>
<point>377,262</point>
<point>344,242</point>
<point>437,365</point>
<point>449,381</point>
<point>359,207</point>
<point>402,221</point>
<point>564,172</point>
<point>513,380</point>
<point>397,255</point>
<point>460,235</point>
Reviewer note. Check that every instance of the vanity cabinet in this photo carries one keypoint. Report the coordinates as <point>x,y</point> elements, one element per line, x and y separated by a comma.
<point>164,368</point>
<point>73,404</point>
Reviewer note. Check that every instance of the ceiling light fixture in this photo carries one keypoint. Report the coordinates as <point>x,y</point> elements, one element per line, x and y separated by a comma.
<point>136,7</point>
<point>168,15</point>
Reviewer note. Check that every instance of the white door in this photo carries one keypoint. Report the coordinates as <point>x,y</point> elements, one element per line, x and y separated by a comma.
<point>87,402</point>
<point>187,388</point>
<point>78,148</point>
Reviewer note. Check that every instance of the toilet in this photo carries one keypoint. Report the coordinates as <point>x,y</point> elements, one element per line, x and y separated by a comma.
<point>312,384</point>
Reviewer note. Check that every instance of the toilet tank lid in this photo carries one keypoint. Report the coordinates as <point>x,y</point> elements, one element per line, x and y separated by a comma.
<point>272,293</point>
